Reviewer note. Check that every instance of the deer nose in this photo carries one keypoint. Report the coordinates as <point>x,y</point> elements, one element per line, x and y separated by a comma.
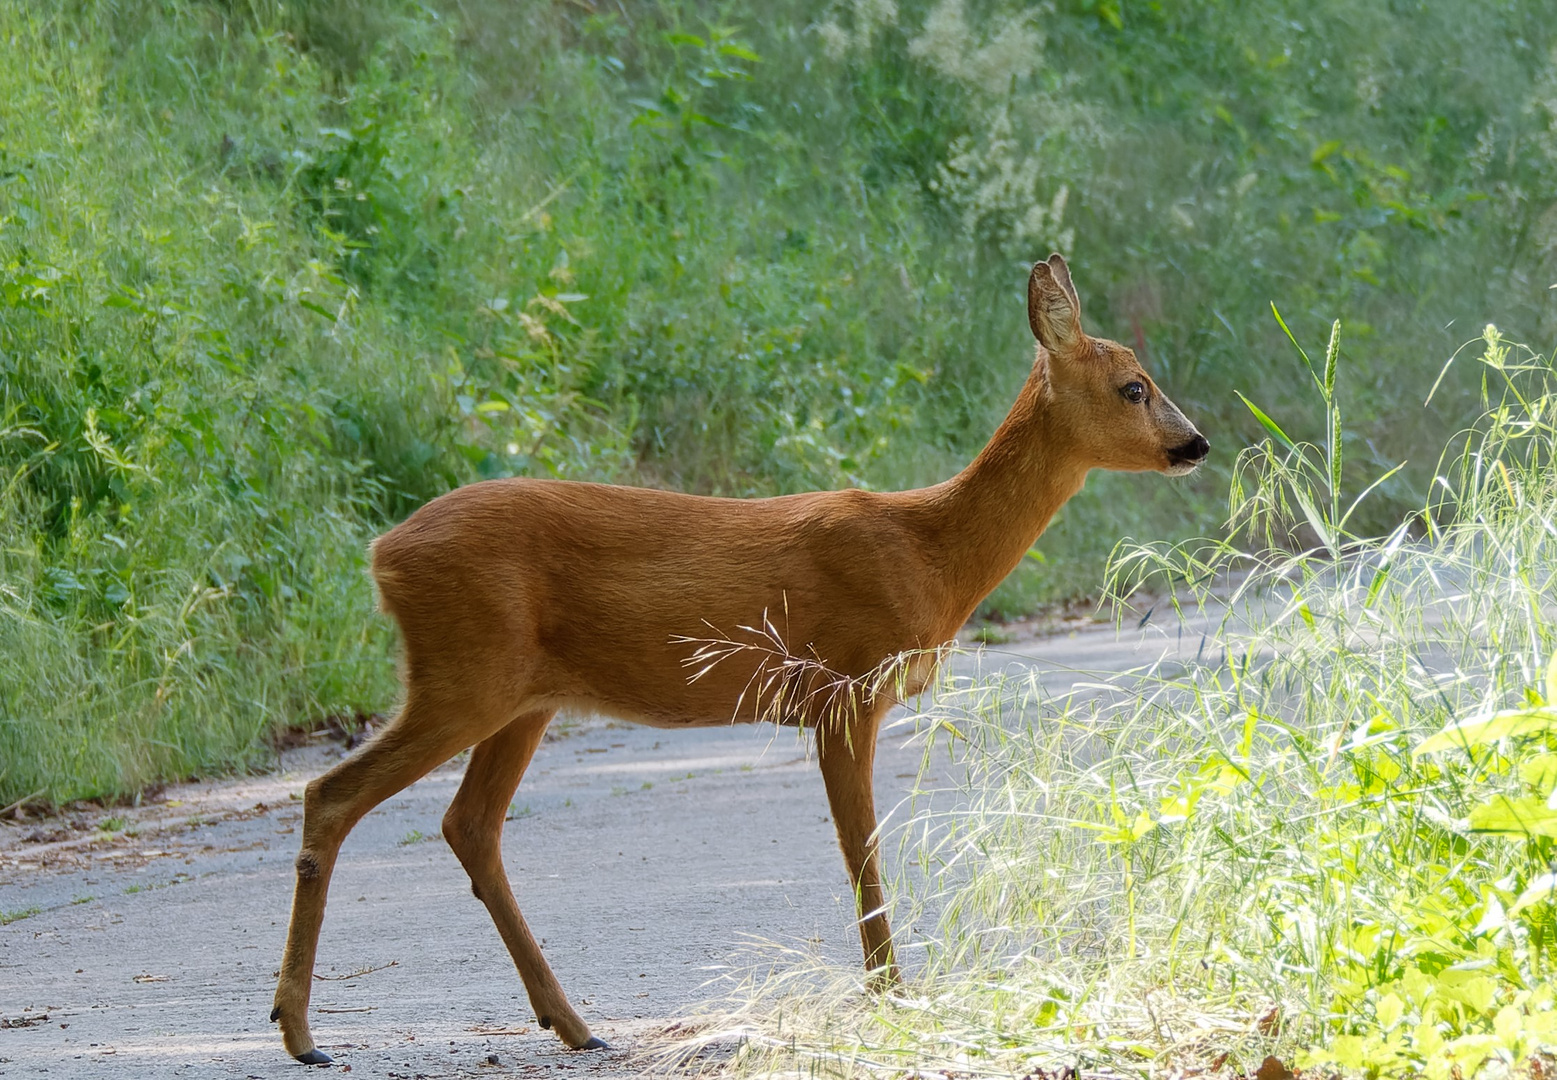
<point>1193,451</point>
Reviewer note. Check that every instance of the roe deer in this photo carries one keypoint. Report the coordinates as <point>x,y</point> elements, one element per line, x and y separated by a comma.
<point>518,598</point>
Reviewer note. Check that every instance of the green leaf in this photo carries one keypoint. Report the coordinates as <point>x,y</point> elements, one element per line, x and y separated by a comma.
<point>1315,518</point>
<point>1540,772</point>
<point>1486,728</point>
<point>1246,744</point>
<point>1324,151</point>
<point>1396,538</point>
<point>1347,1051</point>
<point>1306,361</point>
<point>1524,816</point>
<point>1400,531</point>
<point>1469,987</point>
<point>741,52</point>
<point>1389,1011</point>
<point>1269,424</point>
<point>317,309</point>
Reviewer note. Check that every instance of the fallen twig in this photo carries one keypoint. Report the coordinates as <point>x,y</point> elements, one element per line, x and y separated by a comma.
<point>11,810</point>
<point>358,972</point>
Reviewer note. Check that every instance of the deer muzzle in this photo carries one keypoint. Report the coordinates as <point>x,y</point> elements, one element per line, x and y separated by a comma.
<point>1184,459</point>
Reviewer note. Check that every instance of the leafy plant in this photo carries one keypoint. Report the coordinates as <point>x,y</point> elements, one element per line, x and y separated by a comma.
<point>1319,833</point>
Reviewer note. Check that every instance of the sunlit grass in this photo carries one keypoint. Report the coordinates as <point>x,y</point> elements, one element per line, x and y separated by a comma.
<point>1241,850</point>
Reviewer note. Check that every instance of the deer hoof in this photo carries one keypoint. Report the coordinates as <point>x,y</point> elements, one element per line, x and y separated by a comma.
<point>595,1043</point>
<point>275,1014</point>
<point>315,1057</point>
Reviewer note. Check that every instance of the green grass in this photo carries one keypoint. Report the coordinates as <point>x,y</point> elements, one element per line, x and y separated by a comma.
<point>1326,835</point>
<point>271,275</point>
<point>8,917</point>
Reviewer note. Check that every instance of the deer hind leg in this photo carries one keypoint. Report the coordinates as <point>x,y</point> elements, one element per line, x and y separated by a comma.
<point>473,827</point>
<point>422,737</point>
<point>846,750</point>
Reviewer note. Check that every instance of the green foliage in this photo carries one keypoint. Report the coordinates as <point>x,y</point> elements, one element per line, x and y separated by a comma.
<point>312,287</point>
<point>274,273</point>
<point>1324,832</point>
<point>1440,933</point>
<point>1461,975</point>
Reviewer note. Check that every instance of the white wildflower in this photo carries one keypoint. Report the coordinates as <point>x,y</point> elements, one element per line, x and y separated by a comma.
<point>1369,91</point>
<point>1486,146</point>
<point>999,178</point>
<point>995,188</point>
<point>950,48</point>
<point>835,40</point>
<point>1012,54</point>
<point>1544,100</point>
<point>870,15</point>
<point>945,40</point>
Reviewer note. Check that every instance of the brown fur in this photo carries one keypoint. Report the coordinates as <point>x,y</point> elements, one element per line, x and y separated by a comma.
<point>519,598</point>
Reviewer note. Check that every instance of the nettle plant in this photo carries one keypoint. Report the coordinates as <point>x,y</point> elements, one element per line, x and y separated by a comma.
<point>1464,976</point>
<point>1453,974</point>
<point>1397,767</point>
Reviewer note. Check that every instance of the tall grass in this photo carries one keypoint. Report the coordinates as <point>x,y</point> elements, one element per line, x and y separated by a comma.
<point>272,277</point>
<point>274,273</point>
<point>1323,832</point>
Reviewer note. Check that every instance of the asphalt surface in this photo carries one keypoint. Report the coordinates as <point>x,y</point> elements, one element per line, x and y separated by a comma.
<point>653,864</point>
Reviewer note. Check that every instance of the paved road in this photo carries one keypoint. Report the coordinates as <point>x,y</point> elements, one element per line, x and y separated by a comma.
<point>645,859</point>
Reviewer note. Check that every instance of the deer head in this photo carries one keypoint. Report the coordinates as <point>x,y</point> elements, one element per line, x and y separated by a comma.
<point>1114,416</point>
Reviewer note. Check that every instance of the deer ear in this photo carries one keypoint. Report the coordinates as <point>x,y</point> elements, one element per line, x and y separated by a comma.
<point>1061,274</point>
<point>1053,311</point>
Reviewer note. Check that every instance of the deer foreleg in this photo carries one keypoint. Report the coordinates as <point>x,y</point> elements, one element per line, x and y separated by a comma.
<point>846,752</point>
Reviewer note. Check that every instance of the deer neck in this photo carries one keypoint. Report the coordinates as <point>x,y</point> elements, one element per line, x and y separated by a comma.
<point>990,514</point>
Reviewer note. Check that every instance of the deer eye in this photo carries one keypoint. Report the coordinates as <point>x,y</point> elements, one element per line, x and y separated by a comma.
<point>1134,392</point>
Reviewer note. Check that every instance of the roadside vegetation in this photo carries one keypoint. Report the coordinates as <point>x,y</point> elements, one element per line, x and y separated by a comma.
<point>273,274</point>
<point>1324,834</point>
